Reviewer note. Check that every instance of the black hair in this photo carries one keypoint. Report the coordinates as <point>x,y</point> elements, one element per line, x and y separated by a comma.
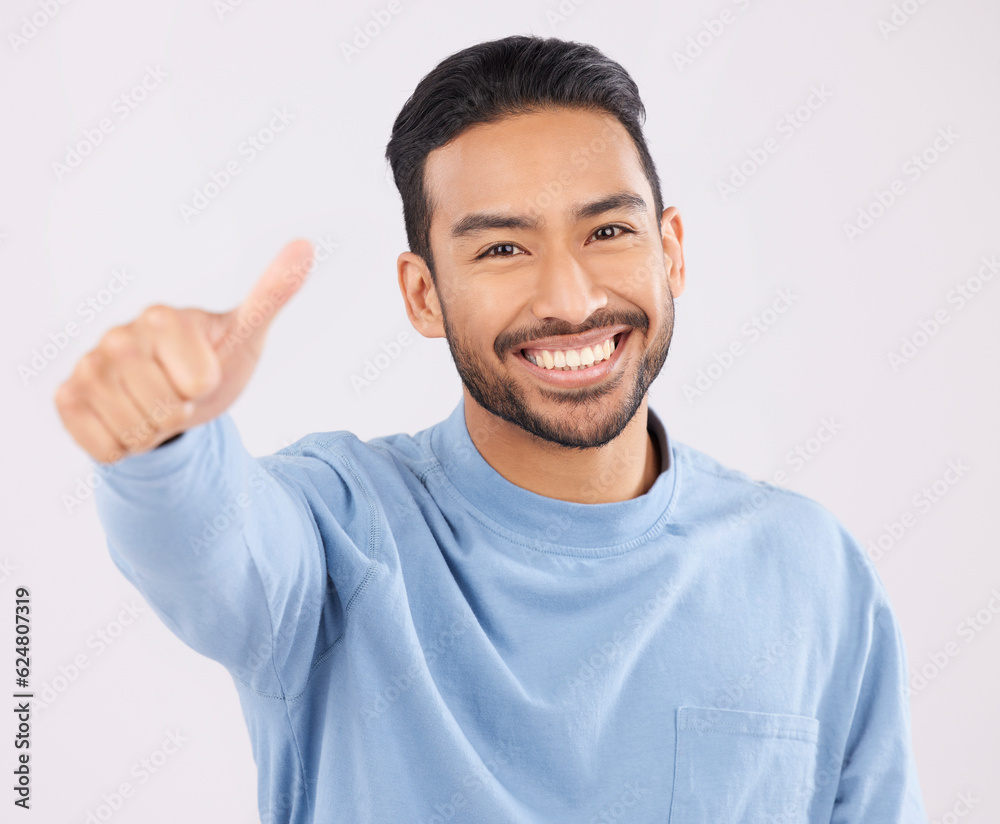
<point>492,80</point>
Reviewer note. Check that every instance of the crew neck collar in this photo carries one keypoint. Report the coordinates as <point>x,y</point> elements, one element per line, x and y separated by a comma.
<point>594,529</point>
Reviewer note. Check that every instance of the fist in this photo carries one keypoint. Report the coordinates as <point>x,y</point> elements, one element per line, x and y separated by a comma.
<point>172,369</point>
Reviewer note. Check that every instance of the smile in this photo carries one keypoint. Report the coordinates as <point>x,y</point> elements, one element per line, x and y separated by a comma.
<point>573,358</point>
<point>572,367</point>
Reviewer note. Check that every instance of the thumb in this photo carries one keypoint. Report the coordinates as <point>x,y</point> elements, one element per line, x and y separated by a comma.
<point>273,289</point>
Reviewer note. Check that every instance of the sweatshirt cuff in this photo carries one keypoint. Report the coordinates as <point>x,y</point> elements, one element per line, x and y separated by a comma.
<point>164,459</point>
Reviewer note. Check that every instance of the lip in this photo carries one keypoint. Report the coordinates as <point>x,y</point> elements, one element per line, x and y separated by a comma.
<point>576,341</point>
<point>578,377</point>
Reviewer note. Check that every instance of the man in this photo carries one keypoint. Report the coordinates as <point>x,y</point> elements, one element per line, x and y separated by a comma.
<point>540,609</point>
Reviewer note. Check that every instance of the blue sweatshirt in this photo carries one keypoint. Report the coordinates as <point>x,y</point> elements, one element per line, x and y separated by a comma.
<point>413,638</point>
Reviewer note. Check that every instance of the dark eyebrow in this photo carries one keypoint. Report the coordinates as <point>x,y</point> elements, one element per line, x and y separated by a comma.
<point>481,221</point>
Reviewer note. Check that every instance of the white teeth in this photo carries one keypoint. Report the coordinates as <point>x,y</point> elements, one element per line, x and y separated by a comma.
<point>572,359</point>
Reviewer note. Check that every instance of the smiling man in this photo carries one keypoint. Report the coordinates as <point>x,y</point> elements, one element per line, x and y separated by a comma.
<point>579,296</point>
<point>541,609</point>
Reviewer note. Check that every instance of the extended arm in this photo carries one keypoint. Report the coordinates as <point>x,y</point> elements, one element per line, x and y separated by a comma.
<point>225,553</point>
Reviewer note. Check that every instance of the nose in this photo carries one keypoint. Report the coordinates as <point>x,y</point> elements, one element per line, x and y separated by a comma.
<point>565,290</point>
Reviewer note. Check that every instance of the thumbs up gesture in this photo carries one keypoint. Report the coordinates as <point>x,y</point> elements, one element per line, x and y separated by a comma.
<point>172,369</point>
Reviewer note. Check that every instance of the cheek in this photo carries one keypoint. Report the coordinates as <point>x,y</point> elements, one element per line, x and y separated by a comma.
<point>493,305</point>
<point>480,300</point>
<point>474,327</point>
<point>486,312</point>
<point>643,279</point>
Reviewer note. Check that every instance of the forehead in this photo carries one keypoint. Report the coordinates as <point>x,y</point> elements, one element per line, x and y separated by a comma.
<point>531,163</point>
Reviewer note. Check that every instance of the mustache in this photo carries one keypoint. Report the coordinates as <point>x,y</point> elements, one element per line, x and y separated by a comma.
<point>515,338</point>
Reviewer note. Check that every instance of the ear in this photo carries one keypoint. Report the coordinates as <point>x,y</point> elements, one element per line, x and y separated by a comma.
<point>420,295</point>
<point>672,234</point>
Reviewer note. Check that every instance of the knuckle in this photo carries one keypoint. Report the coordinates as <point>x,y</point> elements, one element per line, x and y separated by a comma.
<point>119,341</point>
<point>157,316</point>
<point>202,382</point>
<point>90,367</point>
<point>65,395</point>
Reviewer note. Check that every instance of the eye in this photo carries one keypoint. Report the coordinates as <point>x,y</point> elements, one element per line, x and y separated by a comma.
<point>511,246</point>
<point>498,246</point>
<point>624,229</point>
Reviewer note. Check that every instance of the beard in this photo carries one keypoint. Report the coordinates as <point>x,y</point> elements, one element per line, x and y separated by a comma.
<point>579,424</point>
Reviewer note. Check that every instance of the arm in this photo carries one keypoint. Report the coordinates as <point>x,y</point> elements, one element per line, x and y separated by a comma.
<point>878,779</point>
<point>238,576</point>
<point>227,554</point>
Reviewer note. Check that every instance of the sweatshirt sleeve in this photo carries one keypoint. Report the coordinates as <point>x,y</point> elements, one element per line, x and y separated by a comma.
<point>227,554</point>
<point>878,780</point>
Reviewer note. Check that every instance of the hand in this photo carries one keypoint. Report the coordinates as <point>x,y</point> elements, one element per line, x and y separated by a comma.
<point>172,369</point>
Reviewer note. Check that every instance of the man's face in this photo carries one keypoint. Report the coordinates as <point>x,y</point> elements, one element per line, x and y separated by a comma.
<point>519,259</point>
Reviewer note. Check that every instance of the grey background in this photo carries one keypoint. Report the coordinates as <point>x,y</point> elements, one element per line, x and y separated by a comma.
<point>324,176</point>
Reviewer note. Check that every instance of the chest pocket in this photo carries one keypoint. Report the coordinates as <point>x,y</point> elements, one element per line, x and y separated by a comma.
<point>741,767</point>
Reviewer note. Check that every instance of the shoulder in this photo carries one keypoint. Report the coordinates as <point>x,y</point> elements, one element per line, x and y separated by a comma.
<point>770,520</point>
<point>366,462</point>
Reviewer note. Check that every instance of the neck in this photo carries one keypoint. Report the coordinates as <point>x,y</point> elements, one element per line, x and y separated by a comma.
<point>624,468</point>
